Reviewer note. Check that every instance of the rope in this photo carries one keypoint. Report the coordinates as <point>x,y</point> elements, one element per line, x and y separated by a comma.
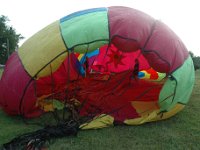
<point>37,139</point>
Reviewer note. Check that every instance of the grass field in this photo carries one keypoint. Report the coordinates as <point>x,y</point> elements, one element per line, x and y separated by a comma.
<point>1,70</point>
<point>179,132</point>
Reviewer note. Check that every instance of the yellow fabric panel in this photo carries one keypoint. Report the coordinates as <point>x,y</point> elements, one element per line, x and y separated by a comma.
<point>53,66</point>
<point>80,56</point>
<point>145,118</point>
<point>144,108</point>
<point>41,48</point>
<point>100,121</point>
<point>45,105</point>
<point>178,107</point>
<point>161,76</point>
<point>155,116</point>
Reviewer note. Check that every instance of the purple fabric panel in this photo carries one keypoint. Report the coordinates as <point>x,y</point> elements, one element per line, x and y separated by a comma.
<point>168,46</point>
<point>130,23</point>
<point>13,83</point>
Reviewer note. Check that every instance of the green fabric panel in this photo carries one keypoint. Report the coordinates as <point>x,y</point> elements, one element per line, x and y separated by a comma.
<point>167,92</point>
<point>85,29</point>
<point>184,78</point>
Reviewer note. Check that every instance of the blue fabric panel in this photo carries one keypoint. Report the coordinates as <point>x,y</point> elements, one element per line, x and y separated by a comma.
<point>79,13</point>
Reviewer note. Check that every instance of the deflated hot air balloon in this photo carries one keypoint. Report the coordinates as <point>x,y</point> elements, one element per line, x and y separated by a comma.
<point>114,65</point>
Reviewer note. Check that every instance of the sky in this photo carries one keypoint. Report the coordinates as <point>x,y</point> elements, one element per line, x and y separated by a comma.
<point>30,16</point>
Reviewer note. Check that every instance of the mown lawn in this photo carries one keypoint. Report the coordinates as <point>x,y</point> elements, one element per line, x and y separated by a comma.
<point>179,132</point>
<point>1,71</point>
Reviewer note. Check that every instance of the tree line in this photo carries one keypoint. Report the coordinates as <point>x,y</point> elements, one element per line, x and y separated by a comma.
<point>9,40</point>
<point>196,60</point>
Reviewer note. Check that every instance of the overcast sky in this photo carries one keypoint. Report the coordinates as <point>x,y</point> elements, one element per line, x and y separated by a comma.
<point>182,16</point>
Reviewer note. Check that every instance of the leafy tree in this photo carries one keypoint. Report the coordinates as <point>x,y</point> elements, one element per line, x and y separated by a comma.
<point>196,60</point>
<point>9,39</point>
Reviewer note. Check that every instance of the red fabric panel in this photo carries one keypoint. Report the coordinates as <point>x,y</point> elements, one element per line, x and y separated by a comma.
<point>109,94</point>
<point>164,50</point>
<point>125,45</point>
<point>169,51</point>
<point>129,23</point>
<point>111,59</point>
<point>57,82</point>
<point>115,95</point>
<point>12,86</point>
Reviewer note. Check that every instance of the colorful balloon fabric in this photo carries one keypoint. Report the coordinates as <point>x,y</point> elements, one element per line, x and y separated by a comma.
<point>120,64</point>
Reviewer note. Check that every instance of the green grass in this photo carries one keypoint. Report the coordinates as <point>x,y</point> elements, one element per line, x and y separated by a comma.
<point>1,71</point>
<point>179,132</point>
